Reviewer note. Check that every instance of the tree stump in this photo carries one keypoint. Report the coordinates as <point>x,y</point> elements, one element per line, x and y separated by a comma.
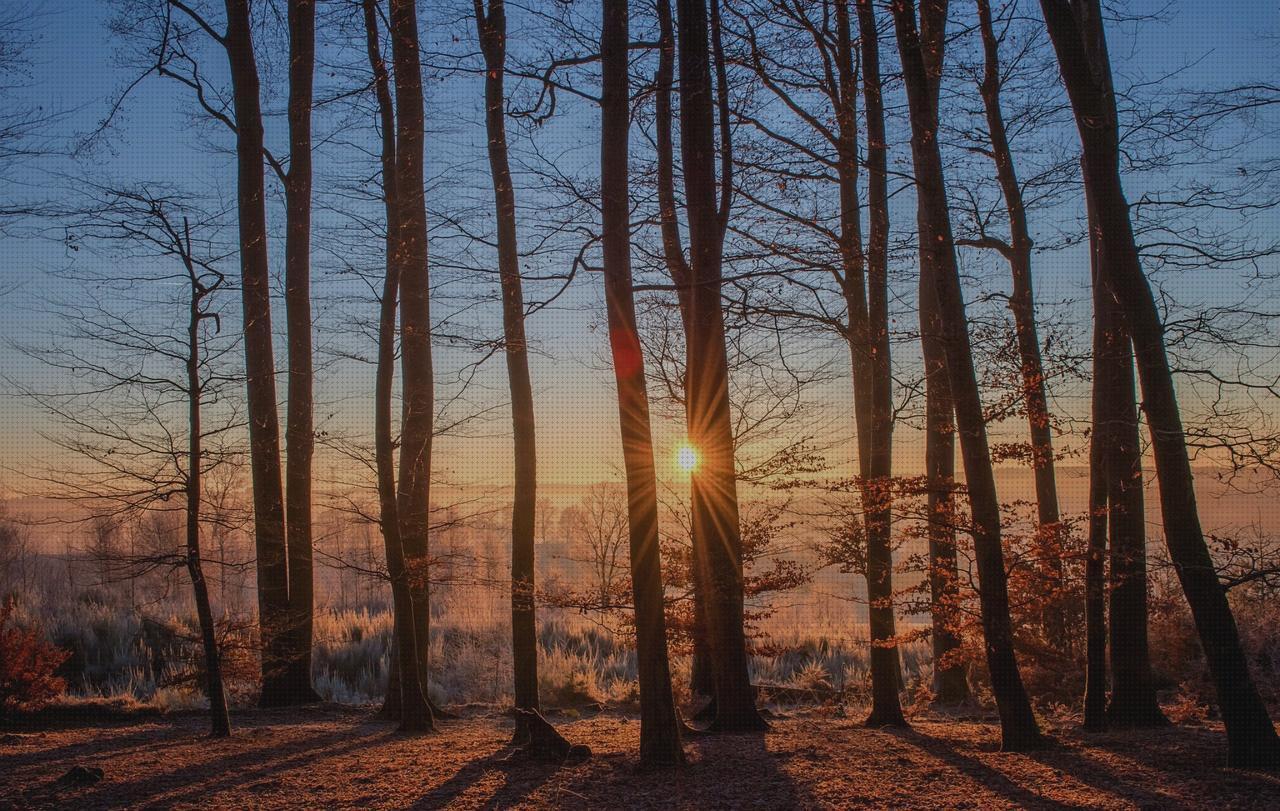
<point>543,742</point>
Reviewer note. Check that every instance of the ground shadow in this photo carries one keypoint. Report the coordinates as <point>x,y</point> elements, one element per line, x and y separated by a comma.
<point>993,779</point>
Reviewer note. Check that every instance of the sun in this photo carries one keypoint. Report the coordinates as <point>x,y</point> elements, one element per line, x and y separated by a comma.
<point>686,458</point>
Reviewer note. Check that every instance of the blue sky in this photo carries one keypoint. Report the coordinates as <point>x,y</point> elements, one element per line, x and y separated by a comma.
<point>77,69</point>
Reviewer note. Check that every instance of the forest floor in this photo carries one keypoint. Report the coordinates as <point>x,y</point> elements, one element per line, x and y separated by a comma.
<point>340,757</point>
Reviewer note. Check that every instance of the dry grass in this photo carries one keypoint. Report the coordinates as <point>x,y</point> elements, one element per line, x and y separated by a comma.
<point>340,758</point>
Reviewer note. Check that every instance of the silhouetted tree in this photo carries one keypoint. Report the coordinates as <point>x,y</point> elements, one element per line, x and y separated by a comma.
<point>1076,29</point>
<point>492,28</point>
<point>659,724</point>
<point>295,687</point>
<point>921,50</point>
<point>137,376</point>
<point>410,251</point>
<point>715,499</point>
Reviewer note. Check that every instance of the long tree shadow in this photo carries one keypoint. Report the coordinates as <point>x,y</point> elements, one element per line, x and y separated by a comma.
<point>130,743</point>
<point>205,778</point>
<point>1184,756</point>
<point>993,779</point>
<point>724,758</point>
<point>520,779</point>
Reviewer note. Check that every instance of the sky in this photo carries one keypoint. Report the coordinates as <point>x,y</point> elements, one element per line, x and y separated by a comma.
<point>77,68</point>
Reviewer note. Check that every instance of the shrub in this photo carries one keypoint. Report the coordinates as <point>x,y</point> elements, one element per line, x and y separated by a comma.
<point>27,665</point>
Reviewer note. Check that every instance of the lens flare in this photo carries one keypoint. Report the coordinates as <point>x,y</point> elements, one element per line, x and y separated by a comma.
<point>687,458</point>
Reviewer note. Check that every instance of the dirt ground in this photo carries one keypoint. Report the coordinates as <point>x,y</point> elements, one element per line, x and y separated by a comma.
<point>335,757</point>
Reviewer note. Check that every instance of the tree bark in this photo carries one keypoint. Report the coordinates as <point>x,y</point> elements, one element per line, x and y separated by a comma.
<point>413,489</point>
<point>1022,305</point>
<point>921,52</point>
<point>492,27</point>
<point>659,725</point>
<point>1095,690</point>
<point>299,429</point>
<point>869,354</point>
<point>702,677</point>
<point>715,498</point>
<point>264,426</point>
<point>1133,694</point>
<point>384,383</point>
<point>950,683</point>
<point>1076,29</point>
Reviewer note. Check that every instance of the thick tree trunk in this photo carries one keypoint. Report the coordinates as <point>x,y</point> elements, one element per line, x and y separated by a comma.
<point>715,498</point>
<point>1095,690</point>
<point>940,278</point>
<point>413,488</point>
<point>659,724</point>
<point>492,28</point>
<point>702,677</point>
<point>260,378</point>
<point>219,719</point>
<point>1133,694</point>
<point>1076,29</point>
<point>869,384</point>
<point>299,429</point>
<point>1022,305</point>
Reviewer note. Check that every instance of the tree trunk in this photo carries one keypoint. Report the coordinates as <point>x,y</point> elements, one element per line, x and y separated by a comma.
<point>939,277</point>
<point>1095,689</point>
<point>299,430</point>
<point>492,29</point>
<point>1076,29</point>
<point>219,719</point>
<point>413,489</point>
<point>659,725</point>
<point>1133,694</point>
<point>869,355</point>
<point>715,498</point>
<point>260,378</point>
<point>950,684</point>
<point>1022,305</point>
<point>702,677</point>
<point>384,440</point>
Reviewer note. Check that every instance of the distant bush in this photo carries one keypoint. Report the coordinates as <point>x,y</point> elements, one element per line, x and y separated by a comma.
<point>27,666</point>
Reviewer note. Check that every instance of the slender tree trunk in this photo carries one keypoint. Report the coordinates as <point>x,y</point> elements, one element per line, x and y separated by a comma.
<point>1095,691</point>
<point>492,27</point>
<point>940,278</point>
<point>264,425</point>
<point>384,383</point>
<point>659,725</point>
<point>1022,305</point>
<point>413,493</point>
<point>299,430</point>
<point>715,498</point>
<point>863,339</point>
<point>702,677</point>
<point>1076,28</point>
<point>950,683</point>
<point>219,719</point>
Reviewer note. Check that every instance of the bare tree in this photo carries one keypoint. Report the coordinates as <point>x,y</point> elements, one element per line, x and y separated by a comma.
<point>410,250</point>
<point>715,500</point>
<point>1076,29</point>
<point>300,425</point>
<point>134,376</point>
<point>1017,251</point>
<point>859,272</point>
<point>659,724</point>
<point>492,28</point>
<point>921,50</point>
